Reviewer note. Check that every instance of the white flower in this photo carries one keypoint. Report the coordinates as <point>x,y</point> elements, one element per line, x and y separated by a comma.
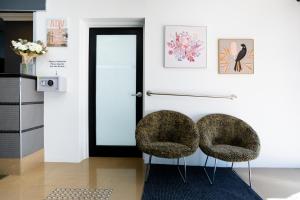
<point>13,43</point>
<point>16,44</point>
<point>32,48</point>
<point>38,48</point>
<point>23,47</point>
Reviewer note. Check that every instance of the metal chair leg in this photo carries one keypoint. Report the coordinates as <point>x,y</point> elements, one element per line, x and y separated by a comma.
<point>249,173</point>
<point>148,168</point>
<point>211,181</point>
<point>249,168</point>
<point>183,177</point>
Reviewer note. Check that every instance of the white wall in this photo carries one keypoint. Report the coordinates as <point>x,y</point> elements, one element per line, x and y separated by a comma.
<point>269,100</point>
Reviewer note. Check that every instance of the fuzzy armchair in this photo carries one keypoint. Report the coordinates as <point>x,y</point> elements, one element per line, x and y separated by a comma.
<point>228,138</point>
<point>167,134</point>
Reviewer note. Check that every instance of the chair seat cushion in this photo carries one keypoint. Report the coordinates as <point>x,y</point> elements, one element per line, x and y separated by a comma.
<point>167,149</point>
<point>231,153</point>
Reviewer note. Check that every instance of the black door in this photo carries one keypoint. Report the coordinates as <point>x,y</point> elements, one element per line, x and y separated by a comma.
<point>115,90</point>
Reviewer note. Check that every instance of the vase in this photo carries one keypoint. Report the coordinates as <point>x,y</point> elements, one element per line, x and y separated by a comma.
<point>28,67</point>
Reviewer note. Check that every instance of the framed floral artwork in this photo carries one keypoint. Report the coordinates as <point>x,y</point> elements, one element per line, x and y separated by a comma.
<point>185,46</point>
<point>236,56</point>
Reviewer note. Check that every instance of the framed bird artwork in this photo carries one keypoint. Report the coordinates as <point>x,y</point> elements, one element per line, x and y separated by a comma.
<point>236,56</point>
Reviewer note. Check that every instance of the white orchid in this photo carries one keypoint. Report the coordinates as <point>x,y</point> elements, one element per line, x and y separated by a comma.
<point>25,46</point>
<point>28,50</point>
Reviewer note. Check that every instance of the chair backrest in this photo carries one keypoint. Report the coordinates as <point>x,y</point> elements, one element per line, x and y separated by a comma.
<point>169,126</point>
<point>224,129</point>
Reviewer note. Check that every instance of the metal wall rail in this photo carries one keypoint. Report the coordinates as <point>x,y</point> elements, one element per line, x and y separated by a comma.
<point>231,97</point>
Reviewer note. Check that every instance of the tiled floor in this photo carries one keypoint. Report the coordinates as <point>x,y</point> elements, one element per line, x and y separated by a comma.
<point>275,184</point>
<point>125,177</point>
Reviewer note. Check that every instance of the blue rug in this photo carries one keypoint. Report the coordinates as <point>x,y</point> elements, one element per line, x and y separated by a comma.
<point>165,183</point>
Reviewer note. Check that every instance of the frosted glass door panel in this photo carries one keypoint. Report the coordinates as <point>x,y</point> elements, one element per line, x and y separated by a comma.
<point>115,84</point>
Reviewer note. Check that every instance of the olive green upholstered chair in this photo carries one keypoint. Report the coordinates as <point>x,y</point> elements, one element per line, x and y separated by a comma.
<point>167,134</point>
<point>229,139</point>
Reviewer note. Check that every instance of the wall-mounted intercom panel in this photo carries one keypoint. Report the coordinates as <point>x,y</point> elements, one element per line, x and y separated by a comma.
<point>51,84</point>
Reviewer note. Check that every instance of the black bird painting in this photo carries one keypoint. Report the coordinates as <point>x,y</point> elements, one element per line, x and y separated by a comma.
<point>241,55</point>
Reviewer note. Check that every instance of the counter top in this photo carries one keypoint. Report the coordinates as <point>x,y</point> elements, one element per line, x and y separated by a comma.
<point>13,75</point>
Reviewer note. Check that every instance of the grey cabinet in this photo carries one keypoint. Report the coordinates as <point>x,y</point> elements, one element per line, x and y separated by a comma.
<point>21,116</point>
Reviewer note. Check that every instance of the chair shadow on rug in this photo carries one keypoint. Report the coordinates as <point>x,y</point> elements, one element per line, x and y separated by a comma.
<point>164,185</point>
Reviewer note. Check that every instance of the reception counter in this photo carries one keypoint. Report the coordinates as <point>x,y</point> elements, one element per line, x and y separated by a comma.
<point>21,123</point>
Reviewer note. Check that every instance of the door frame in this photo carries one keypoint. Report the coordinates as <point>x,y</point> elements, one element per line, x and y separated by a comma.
<point>113,151</point>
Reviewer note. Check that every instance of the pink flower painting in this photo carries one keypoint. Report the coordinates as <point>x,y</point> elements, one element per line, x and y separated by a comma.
<point>185,46</point>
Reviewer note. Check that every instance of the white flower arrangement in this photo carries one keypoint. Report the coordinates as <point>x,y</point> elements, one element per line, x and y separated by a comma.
<point>28,50</point>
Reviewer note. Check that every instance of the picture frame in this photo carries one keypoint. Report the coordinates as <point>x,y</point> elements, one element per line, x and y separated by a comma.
<point>236,56</point>
<point>185,46</point>
<point>57,33</point>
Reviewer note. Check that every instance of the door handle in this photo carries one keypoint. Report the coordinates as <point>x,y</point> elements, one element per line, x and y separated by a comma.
<point>139,94</point>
